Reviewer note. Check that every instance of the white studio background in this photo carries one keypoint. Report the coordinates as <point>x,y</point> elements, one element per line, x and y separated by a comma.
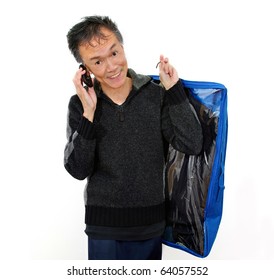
<point>230,42</point>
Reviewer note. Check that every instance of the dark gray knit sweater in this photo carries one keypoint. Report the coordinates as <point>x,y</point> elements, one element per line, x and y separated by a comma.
<point>122,152</point>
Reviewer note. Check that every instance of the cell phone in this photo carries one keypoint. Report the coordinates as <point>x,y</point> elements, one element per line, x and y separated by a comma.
<point>86,79</point>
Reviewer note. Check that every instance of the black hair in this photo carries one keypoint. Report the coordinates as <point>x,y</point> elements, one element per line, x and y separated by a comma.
<point>87,29</point>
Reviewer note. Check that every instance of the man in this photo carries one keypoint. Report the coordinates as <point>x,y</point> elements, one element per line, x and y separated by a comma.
<point>116,133</point>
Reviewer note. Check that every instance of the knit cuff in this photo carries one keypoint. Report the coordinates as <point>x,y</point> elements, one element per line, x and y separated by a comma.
<point>86,128</point>
<point>176,94</point>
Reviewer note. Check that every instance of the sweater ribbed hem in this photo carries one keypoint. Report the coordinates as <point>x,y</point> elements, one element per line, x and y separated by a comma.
<point>176,95</point>
<point>124,217</point>
<point>86,128</point>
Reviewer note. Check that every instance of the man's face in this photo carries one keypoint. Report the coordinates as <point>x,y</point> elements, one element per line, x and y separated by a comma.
<point>105,58</point>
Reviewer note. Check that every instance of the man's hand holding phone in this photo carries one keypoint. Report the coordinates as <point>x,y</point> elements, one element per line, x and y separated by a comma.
<point>87,94</point>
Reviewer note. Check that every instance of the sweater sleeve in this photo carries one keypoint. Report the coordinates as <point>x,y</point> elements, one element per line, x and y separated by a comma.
<point>180,124</point>
<point>80,148</point>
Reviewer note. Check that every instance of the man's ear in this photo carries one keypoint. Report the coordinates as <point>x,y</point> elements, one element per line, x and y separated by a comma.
<point>88,69</point>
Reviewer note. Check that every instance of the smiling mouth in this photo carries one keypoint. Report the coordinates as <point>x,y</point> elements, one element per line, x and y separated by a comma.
<point>115,76</point>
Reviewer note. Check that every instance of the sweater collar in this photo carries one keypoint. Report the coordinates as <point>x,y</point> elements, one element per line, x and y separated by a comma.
<point>138,80</point>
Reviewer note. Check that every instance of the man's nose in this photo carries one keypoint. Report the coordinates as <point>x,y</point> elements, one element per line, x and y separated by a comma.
<point>110,64</point>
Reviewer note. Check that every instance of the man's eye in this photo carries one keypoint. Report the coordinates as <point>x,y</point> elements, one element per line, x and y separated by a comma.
<point>115,53</point>
<point>98,62</point>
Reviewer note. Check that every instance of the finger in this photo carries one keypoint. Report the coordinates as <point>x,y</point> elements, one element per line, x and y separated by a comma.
<point>91,90</point>
<point>164,63</point>
<point>161,58</point>
<point>92,95</point>
<point>166,68</point>
<point>77,80</point>
<point>170,70</point>
<point>77,77</point>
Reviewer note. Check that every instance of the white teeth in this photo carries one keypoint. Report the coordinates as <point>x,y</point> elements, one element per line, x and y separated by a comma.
<point>115,76</point>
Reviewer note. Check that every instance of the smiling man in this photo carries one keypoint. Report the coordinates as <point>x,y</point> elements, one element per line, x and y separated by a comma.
<point>117,132</point>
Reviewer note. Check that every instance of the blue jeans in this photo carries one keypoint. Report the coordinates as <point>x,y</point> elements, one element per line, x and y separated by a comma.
<point>150,249</point>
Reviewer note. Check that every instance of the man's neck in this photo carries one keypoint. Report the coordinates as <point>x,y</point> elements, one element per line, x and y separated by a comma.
<point>119,96</point>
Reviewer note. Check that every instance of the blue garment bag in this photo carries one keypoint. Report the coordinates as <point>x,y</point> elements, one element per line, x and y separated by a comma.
<point>195,183</point>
